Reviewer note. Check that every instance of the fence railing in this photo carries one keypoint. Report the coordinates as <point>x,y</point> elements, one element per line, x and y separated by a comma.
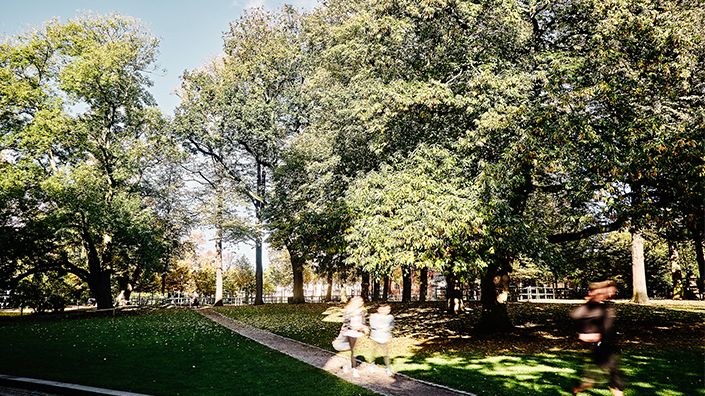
<point>4,299</point>
<point>516,293</point>
<point>187,299</point>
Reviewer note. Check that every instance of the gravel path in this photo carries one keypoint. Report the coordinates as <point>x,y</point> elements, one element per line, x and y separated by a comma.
<point>371,377</point>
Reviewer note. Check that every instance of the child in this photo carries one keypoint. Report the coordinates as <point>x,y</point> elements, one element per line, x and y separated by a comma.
<point>595,321</point>
<point>381,325</point>
<point>354,327</point>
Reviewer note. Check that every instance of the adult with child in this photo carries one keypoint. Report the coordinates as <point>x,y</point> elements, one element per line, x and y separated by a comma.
<point>595,320</point>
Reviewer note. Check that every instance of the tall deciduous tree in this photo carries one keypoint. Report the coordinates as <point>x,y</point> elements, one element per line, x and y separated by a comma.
<point>252,109</point>
<point>77,120</point>
<point>200,124</point>
<point>633,103</point>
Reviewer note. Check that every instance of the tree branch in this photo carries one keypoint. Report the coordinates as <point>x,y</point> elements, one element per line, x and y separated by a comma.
<point>590,231</point>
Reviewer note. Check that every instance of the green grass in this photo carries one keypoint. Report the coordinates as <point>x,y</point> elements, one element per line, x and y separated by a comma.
<point>165,352</point>
<point>662,345</point>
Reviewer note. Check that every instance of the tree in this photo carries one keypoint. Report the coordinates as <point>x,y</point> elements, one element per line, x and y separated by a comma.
<point>200,124</point>
<point>454,75</point>
<point>240,277</point>
<point>250,109</point>
<point>306,213</point>
<point>627,107</point>
<point>76,119</point>
<point>415,215</point>
<point>278,272</point>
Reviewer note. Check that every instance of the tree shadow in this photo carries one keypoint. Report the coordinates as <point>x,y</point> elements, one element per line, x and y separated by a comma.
<point>663,352</point>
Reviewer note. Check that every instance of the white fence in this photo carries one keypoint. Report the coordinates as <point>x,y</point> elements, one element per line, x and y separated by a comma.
<point>438,294</point>
<point>188,299</point>
<point>524,293</point>
<point>4,299</point>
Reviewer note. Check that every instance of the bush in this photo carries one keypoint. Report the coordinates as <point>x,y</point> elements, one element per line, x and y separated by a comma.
<point>47,292</point>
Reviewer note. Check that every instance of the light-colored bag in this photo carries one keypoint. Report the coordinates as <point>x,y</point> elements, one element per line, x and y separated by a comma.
<point>341,343</point>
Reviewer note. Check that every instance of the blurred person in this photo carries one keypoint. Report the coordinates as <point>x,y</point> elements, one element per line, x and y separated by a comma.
<point>595,320</point>
<point>354,327</point>
<point>381,325</point>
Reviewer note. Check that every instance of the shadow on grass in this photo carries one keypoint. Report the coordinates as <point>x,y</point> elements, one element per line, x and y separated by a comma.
<point>555,373</point>
<point>663,346</point>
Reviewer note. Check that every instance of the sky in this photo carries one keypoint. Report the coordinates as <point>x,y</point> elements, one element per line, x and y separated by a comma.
<point>190,31</point>
<point>190,34</point>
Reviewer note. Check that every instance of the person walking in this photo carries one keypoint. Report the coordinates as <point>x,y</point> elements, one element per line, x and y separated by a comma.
<point>381,325</point>
<point>354,327</point>
<point>595,320</point>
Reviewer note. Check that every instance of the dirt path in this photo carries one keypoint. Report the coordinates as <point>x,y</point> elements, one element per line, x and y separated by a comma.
<point>371,377</point>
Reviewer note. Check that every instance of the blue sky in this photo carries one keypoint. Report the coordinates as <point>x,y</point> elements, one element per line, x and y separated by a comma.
<point>190,31</point>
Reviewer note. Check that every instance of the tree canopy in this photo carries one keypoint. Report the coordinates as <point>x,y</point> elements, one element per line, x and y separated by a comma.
<point>467,138</point>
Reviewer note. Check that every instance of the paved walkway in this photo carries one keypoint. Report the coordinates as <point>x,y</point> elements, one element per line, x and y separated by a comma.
<point>23,386</point>
<point>11,391</point>
<point>371,377</point>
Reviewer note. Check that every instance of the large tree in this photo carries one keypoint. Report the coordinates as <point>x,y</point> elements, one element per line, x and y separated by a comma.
<point>77,122</point>
<point>216,195</point>
<point>252,108</point>
<point>632,109</point>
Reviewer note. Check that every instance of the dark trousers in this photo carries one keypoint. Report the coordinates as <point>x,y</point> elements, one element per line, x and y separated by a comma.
<point>604,359</point>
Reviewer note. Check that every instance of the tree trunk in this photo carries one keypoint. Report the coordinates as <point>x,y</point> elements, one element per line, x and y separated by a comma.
<point>406,284</point>
<point>494,294</point>
<point>297,269</point>
<point>259,279</point>
<point>365,286</point>
<point>423,289</point>
<point>385,288</point>
<point>375,290</point>
<point>259,208</point>
<point>163,285</point>
<point>676,272</point>
<point>639,295</point>
<point>98,278</point>
<point>100,289</point>
<point>132,281</point>
<point>700,257</point>
<point>329,290</point>
<point>218,263</point>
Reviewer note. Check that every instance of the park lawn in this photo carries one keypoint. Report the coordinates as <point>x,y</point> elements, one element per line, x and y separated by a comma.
<point>162,352</point>
<point>663,351</point>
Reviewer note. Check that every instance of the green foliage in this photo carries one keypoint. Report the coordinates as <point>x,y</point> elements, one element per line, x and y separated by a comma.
<point>442,134</point>
<point>631,115</point>
<point>179,277</point>
<point>204,280</point>
<point>415,214</point>
<point>240,277</point>
<point>238,111</point>
<point>278,272</point>
<point>49,291</point>
<point>79,137</point>
<point>560,124</point>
